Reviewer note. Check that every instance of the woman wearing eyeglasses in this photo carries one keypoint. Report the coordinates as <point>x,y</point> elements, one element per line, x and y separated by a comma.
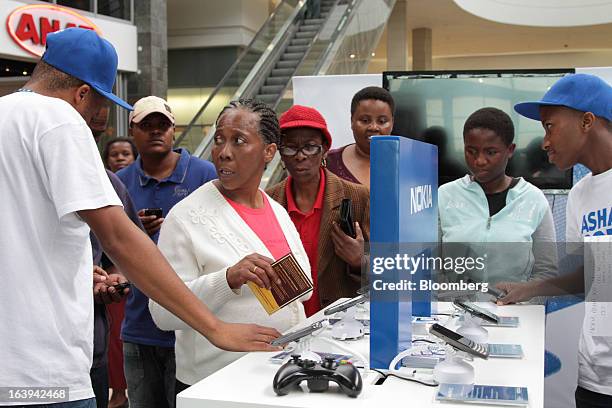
<point>312,196</point>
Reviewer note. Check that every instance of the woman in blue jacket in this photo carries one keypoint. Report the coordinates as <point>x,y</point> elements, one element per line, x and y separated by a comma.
<point>504,219</point>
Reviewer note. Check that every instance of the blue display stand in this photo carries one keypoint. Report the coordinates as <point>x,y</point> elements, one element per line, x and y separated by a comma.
<point>403,214</point>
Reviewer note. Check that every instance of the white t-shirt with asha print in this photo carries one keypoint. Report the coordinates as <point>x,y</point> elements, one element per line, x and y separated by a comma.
<point>589,214</point>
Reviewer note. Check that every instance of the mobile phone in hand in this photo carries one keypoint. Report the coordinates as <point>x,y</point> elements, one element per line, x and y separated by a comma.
<point>496,293</point>
<point>121,287</point>
<point>346,218</point>
<point>157,212</point>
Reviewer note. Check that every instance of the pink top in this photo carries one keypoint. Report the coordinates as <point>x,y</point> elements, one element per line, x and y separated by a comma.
<point>264,224</point>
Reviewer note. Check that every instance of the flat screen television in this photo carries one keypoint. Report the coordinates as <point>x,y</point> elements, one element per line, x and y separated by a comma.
<point>433,106</point>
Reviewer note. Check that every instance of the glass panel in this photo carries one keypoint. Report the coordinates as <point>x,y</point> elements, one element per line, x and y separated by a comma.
<point>198,130</point>
<point>343,46</point>
<point>364,26</point>
<point>86,5</point>
<point>185,102</point>
<point>434,109</point>
<point>353,28</point>
<point>115,8</point>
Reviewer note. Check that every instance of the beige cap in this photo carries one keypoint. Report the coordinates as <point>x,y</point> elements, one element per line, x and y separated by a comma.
<point>150,104</point>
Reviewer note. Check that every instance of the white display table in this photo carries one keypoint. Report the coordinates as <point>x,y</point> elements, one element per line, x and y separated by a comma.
<point>248,381</point>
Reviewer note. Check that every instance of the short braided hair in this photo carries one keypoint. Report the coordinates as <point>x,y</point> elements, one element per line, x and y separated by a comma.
<point>269,129</point>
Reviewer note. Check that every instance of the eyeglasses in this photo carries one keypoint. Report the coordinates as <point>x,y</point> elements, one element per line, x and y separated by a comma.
<point>308,150</point>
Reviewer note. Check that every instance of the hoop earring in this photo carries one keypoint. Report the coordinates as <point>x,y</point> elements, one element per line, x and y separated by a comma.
<point>324,162</point>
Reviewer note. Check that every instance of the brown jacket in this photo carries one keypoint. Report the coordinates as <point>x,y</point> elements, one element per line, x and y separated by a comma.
<point>335,278</point>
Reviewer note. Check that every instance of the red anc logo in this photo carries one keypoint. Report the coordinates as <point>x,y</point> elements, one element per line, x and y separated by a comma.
<point>29,25</point>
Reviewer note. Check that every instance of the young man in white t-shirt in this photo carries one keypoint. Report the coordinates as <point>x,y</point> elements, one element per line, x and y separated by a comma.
<point>53,186</point>
<point>577,117</point>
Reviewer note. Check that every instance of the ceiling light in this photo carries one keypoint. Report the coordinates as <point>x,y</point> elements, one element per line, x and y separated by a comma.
<point>541,13</point>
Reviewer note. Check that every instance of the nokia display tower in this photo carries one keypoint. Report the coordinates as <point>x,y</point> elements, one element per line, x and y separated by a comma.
<point>404,225</point>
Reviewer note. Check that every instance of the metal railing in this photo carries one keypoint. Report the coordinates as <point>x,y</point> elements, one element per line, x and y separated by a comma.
<point>239,75</point>
<point>352,54</point>
<point>343,46</point>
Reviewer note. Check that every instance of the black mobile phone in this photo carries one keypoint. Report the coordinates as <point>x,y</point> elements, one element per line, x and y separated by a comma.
<point>459,342</point>
<point>346,217</point>
<point>153,211</point>
<point>121,287</point>
<point>298,334</point>
<point>477,311</point>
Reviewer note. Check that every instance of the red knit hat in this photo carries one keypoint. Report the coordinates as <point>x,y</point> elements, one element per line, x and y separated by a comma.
<point>305,116</point>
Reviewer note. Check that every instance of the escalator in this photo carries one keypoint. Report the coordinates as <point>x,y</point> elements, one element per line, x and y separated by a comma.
<point>338,41</point>
<point>299,43</point>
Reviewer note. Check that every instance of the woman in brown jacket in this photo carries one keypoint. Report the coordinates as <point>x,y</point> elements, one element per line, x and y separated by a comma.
<point>312,196</point>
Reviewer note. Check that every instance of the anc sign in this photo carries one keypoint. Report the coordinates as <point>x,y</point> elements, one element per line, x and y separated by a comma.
<point>29,25</point>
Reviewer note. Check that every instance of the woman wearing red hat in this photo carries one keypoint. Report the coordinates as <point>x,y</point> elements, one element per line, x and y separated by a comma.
<point>312,196</point>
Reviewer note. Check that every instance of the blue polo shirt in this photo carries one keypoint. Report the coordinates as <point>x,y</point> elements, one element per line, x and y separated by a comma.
<point>146,192</point>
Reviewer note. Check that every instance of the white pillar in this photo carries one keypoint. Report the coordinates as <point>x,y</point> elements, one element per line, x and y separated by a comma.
<point>421,49</point>
<point>397,38</point>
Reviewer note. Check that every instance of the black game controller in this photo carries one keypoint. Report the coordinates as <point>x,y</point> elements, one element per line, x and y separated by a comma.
<point>318,376</point>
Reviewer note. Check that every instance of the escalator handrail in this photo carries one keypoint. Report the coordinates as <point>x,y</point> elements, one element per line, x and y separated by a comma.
<point>268,177</point>
<point>275,104</point>
<point>233,67</point>
<point>330,52</point>
<point>320,69</point>
<point>203,149</point>
<point>344,23</point>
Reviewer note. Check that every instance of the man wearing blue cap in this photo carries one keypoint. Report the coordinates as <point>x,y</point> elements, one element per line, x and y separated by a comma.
<point>53,186</point>
<point>577,117</point>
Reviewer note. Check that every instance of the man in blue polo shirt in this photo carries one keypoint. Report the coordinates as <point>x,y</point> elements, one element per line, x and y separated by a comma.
<point>159,178</point>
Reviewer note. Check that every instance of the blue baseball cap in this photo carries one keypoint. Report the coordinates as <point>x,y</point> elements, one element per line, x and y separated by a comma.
<point>83,54</point>
<point>582,92</point>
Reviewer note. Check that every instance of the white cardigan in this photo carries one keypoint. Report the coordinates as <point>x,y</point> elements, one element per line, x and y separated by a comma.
<point>201,237</point>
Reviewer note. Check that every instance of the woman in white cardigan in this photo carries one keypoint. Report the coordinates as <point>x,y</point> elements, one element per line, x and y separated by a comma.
<point>226,233</point>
